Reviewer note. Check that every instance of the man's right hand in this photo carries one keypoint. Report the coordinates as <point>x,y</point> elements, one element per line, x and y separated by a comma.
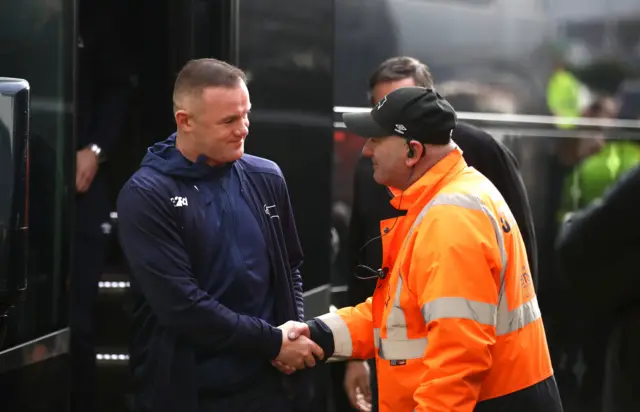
<point>356,385</point>
<point>297,349</point>
<point>87,164</point>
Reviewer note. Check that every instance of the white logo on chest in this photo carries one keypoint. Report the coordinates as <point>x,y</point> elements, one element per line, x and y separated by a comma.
<point>179,201</point>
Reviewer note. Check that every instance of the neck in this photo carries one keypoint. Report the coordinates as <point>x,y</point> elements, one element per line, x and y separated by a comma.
<point>434,155</point>
<point>184,144</point>
<point>185,147</point>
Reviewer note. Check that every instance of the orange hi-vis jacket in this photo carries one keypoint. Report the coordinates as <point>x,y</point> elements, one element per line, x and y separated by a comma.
<point>456,321</point>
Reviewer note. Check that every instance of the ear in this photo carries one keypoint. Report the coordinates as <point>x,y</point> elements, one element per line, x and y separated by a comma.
<point>183,120</point>
<point>418,152</point>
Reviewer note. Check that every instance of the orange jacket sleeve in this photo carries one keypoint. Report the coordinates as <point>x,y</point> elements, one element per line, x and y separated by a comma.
<point>352,329</point>
<point>455,273</point>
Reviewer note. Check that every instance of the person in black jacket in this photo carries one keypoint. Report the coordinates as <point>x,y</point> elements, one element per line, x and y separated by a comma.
<point>597,250</point>
<point>104,89</point>
<point>371,202</point>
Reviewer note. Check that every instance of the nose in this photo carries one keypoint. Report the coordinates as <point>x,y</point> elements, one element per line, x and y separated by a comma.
<point>367,149</point>
<point>243,130</point>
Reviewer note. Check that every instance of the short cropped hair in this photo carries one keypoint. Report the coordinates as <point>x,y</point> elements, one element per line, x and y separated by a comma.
<point>399,68</point>
<point>199,74</point>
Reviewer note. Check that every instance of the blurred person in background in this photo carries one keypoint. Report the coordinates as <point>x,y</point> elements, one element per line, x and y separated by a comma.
<point>597,251</point>
<point>597,163</point>
<point>104,87</point>
<point>371,205</point>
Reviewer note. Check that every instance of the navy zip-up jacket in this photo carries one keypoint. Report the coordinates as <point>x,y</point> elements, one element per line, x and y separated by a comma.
<point>177,232</point>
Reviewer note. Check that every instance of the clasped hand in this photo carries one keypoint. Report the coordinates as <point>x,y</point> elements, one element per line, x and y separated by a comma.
<point>298,350</point>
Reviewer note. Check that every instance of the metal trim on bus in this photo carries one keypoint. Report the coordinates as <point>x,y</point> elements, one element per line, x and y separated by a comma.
<point>35,351</point>
<point>523,119</point>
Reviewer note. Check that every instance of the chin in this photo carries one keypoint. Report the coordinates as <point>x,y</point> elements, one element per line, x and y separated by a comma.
<point>238,153</point>
<point>379,178</point>
<point>229,157</point>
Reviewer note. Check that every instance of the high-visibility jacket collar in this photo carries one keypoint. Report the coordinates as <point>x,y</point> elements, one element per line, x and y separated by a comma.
<point>430,182</point>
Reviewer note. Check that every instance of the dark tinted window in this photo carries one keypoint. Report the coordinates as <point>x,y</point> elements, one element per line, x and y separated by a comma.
<point>37,44</point>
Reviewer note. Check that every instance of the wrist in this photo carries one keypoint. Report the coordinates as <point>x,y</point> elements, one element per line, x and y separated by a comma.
<point>273,343</point>
<point>96,150</point>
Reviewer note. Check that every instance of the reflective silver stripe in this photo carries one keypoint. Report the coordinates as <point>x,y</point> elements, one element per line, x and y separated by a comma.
<point>343,345</point>
<point>396,321</point>
<point>472,202</point>
<point>519,317</point>
<point>402,349</point>
<point>397,345</point>
<point>376,337</point>
<point>460,308</point>
<point>481,312</point>
<point>506,321</point>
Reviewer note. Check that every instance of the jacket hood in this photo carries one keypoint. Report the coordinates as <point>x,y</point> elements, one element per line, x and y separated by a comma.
<point>165,158</point>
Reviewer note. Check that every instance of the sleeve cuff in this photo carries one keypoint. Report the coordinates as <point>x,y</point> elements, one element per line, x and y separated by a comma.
<point>343,345</point>
<point>322,336</point>
<point>273,342</point>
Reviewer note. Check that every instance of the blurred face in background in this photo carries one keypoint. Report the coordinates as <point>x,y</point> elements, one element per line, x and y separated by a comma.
<point>384,88</point>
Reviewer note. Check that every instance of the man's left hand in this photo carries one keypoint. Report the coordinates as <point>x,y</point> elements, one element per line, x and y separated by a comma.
<point>86,168</point>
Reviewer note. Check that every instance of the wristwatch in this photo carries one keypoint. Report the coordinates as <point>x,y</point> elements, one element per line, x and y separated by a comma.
<point>97,150</point>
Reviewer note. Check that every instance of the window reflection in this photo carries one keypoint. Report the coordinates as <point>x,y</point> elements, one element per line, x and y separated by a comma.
<point>6,164</point>
<point>37,44</point>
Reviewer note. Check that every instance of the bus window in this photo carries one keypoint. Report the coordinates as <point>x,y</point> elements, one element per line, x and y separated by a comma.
<point>14,132</point>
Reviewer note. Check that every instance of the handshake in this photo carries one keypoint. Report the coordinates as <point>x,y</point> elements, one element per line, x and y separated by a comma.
<point>298,350</point>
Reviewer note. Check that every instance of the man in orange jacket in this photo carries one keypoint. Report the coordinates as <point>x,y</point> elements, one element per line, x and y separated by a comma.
<point>454,322</point>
